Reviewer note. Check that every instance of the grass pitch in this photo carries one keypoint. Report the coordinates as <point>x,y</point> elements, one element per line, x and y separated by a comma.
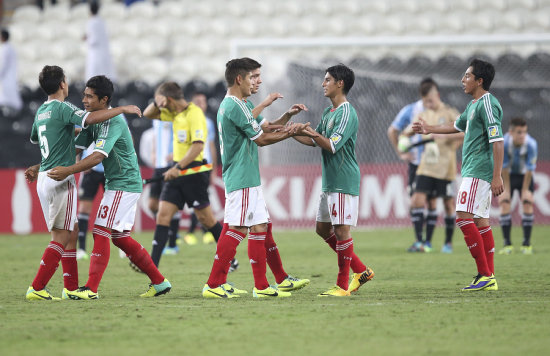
<point>413,306</point>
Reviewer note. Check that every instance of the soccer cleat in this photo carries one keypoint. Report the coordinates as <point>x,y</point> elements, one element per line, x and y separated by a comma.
<point>494,286</point>
<point>64,294</point>
<point>82,255</point>
<point>427,247</point>
<point>230,288</point>
<point>208,238</point>
<point>507,250</point>
<point>269,292</point>
<point>171,250</point>
<point>218,292</point>
<point>480,283</point>
<point>83,293</point>
<point>335,292</point>
<point>233,265</point>
<point>134,267</point>
<point>526,250</point>
<point>190,239</point>
<point>157,289</point>
<point>447,248</point>
<point>39,294</point>
<point>416,247</point>
<point>359,279</point>
<point>292,283</point>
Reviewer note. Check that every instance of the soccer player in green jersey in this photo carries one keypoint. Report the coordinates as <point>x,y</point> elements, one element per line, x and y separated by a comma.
<point>245,208</point>
<point>53,129</point>
<point>114,148</point>
<point>482,158</point>
<point>339,201</point>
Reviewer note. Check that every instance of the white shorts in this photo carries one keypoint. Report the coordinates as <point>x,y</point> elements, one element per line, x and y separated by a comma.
<point>245,207</point>
<point>117,210</point>
<point>58,201</point>
<point>338,208</point>
<point>474,197</point>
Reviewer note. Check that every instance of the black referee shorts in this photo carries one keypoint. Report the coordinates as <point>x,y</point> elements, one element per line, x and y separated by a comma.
<point>89,185</point>
<point>191,190</point>
<point>155,187</point>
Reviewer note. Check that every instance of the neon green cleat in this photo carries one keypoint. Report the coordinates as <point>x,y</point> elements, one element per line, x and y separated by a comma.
<point>83,293</point>
<point>480,283</point>
<point>157,289</point>
<point>526,250</point>
<point>359,279</point>
<point>506,250</point>
<point>218,292</point>
<point>494,286</point>
<point>39,294</point>
<point>335,292</point>
<point>65,294</point>
<point>231,289</point>
<point>292,283</point>
<point>269,292</point>
<point>190,239</point>
<point>208,238</point>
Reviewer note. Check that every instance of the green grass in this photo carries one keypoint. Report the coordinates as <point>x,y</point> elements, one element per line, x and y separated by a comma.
<point>413,306</point>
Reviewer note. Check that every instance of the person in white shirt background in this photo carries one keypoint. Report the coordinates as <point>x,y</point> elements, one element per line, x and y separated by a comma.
<point>98,57</point>
<point>9,91</point>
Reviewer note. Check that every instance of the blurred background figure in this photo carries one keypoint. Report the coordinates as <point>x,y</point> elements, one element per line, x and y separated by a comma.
<point>9,91</point>
<point>98,57</point>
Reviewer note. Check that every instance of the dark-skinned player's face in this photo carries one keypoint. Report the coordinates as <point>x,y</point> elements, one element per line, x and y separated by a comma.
<point>92,102</point>
<point>469,81</point>
<point>330,86</point>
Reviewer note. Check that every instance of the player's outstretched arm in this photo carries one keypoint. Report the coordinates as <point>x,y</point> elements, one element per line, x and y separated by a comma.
<point>422,128</point>
<point>152,111</point>
<point>294,110</point>
<point>31,173</point>
<point>269,138</point>
<point>103,115</point>
<point>59,173</point>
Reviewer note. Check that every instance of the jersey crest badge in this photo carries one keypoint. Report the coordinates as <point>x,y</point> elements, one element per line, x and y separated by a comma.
<point>255,126</point>
<point>493,131</point>
<point>330,124</point>
<point>100,143</point>
<point>198,134</point>
<point>182,136</point>
<point>335,138</point>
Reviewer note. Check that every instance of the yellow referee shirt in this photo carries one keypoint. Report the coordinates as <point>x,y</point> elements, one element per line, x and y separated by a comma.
<point>188,126</point>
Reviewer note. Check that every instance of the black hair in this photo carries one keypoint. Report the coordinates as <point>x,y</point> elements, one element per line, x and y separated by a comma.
<point>426,85</point>
<point>483,70</point>
<point>170,90</point>
<point>239,66</point>
<point>342,72</point>
<point>5,35</point>
<point>94,7</point>
<point>102,86</point>
<point>50,78</point>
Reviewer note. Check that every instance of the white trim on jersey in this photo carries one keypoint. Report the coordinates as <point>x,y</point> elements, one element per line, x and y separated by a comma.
<point>345,118</point>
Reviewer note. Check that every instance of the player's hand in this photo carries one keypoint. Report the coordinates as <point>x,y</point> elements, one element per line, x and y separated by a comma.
<point>59,173</point>
<point>172,173</point>
<point>31,173</point>
<point>271,98</point>
<point>406,156</point>
<point>296,109</point>
<point>131,109</point>
<point>497,186</point>
<point>420,126</point>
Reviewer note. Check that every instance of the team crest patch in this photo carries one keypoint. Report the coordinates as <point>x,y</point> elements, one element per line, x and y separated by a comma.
<point>335,138</point>
<point>198,134</point>
<point>330,124</point>
<point>100,143</point>
<point>182,136</point>
<point>255,126</point>
<point>493,131</point>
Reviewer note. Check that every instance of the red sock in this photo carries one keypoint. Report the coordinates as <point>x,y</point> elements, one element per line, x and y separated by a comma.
<point>475,244</point>
<point>138,255</point>
<point>48,265</point>
<point>344,249</point>
<point>489,246</point>
<point>273,257</point>
<point>225,251</point>
<point>356,265</point>
<point>70,269</point>
<point>257,255</point>
<point>99,258</point>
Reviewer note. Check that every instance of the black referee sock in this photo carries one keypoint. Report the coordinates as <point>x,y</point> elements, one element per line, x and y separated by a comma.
<point>527,225</point>
<point>506,226</point>
<point>159,241</point>
<point>431,221</point>
<point>173,233</point>
<point>417,218</point>
<point>449,228</point>
<point>82,230</point>
<point>216,230</point>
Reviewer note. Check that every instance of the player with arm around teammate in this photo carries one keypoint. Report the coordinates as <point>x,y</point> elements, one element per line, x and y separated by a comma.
<point>114,147</point>
<point>520,161</point>
<point>53,129</point>
<point>339,200</point>
<point>482,157</point>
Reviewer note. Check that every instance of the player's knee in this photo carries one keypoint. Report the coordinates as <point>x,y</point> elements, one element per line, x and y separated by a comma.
<point>527,202</point>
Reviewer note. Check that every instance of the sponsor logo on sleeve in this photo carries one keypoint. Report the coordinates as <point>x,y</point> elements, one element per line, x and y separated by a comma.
<point>199,134</point>
<point>493,132</point>
<point>335,138</point>
<point>100,143</point>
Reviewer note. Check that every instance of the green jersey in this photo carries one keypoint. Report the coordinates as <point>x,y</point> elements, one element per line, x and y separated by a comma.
<point>53,130</point>
<point>340,168</point>
<point>237,130</point>
<point>251,106</point>
<point>481,124</point>
<point>113,139</point>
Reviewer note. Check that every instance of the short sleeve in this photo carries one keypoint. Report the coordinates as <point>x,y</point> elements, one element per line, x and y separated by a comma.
<point>492,116</point>
<point>197,126</point>
<point>462,121</point>
<point>34,134</point>
<point>242,118</point>
<point>73,115</point>
<point>84,139</point>
<point>108,134</point>
<point>531,160</point>
<point>403,118</point>
<point>506,158</point>
<point>345,125</point>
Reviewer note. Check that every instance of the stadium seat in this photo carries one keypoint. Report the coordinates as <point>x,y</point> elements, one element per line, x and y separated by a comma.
<point>510,22</point>
<point>115,11</point>
<point>152,71</point>
<point>27,14</point>
<point>56,13</point>
<point>80,11</point>
<point>406,6</point>
<point>142,11</point>
<point>420,24</point>
<point>173,9</point>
